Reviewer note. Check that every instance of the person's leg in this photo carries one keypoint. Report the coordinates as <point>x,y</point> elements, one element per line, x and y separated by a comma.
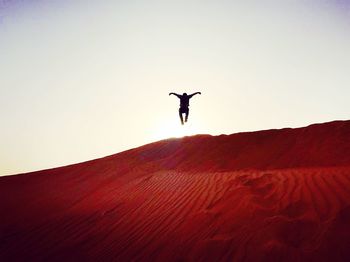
<point>187,112</point>
<point>181,118</point>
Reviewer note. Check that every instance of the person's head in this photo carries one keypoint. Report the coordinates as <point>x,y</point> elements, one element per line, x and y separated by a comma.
<point>184,94</point>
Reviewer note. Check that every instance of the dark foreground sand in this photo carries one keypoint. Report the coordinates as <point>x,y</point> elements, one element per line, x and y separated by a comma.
<point>276,195</point>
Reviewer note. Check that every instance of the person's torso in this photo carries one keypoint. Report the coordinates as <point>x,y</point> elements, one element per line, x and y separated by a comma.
<point>184,101</point>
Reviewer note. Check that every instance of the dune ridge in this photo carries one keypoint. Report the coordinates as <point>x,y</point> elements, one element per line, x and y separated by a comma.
<point>274,195</point>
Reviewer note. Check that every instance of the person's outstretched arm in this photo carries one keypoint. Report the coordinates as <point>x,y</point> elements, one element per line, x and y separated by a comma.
<point>195,94</point>
<point>174,94</point>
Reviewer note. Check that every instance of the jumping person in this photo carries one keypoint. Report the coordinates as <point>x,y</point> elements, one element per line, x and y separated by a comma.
<point>184,104</point>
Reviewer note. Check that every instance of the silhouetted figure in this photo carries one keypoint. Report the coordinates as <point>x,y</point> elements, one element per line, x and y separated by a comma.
<point>184,104</point>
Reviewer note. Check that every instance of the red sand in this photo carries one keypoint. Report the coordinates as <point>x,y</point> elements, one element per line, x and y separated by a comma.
<point>276,195</point>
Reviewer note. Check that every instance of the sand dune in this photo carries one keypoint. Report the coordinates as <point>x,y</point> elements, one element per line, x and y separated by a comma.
<point>275,195</point>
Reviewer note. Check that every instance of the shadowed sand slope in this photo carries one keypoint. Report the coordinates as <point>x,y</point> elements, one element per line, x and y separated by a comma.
<point>275,195</point>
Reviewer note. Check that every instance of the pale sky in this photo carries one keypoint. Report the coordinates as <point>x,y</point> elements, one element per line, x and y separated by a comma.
<point>85,79</point>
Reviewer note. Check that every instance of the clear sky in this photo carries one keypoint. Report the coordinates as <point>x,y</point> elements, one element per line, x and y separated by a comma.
<point>85,79</point>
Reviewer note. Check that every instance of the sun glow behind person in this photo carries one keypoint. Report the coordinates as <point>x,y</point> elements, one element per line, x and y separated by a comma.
<point>173,129</point>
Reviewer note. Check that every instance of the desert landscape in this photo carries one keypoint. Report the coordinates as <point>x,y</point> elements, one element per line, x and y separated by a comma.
<point>273,195</point>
